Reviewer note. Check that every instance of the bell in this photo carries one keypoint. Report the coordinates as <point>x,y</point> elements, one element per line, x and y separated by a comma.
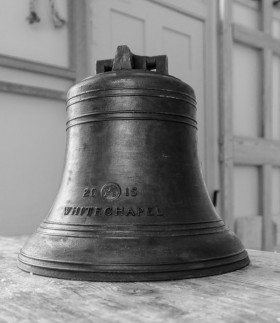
<point>132,205</point>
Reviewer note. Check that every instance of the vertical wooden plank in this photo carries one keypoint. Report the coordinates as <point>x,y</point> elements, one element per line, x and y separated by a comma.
<point>266,210</point>
<point>211,104</point>
<point>71,41</point>
<point>78,38</point>
<point>267,71</point>
<point>225,111</point>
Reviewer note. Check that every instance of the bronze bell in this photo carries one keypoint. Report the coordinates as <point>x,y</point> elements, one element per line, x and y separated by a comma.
<point>132,205</point>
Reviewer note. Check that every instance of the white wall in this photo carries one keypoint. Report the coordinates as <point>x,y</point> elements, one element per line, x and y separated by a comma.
<point>32,141</point>
<point>38,41</point>
<point>32,129</point>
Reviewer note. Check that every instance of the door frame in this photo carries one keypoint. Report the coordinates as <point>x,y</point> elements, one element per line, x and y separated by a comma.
<point>206,12</point>
<point>263,152</point>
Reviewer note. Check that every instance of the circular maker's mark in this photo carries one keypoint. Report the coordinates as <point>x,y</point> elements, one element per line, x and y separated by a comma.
<point>110,191</point>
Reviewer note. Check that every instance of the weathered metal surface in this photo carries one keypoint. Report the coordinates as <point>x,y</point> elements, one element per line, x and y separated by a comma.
<point>132,205</point>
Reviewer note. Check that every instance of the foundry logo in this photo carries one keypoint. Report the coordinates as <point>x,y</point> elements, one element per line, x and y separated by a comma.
<point>111,191</point>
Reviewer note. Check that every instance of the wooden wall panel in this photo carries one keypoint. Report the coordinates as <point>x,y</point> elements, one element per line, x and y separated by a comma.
<point>255,128</point>
<point>225,111</point>
<point>246,194</point>
<point>29,78</point>
<point>246,15</point>
<point>120,34</point>
<point>249,231</point>
<point>276,97</point>
<point>247,76</point>
<point>276,28</point>
<point>275,196</point>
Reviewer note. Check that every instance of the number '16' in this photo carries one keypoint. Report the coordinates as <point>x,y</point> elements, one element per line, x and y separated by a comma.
<point>131,192</point>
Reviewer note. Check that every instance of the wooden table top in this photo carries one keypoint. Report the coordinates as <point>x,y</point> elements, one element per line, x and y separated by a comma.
<point>251,294</point>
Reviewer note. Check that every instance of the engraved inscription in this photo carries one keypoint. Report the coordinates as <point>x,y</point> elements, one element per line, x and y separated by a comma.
<point>112,211</point>
<point>90,192</point>
<point>86,192</point>
<point>110,191</point>
<point>108,211</point>
<point>67,210</point>
<point>131,192</point>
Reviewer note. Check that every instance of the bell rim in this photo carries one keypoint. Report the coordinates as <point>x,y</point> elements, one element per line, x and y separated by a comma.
<point>215,267</point>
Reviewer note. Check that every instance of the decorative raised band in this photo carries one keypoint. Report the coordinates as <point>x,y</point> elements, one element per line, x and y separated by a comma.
<point>130,115</point>
<point>126,230</point>
<point>235,257</point>
<point>146,92</point>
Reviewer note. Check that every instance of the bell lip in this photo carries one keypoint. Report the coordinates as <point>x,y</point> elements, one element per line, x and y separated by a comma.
<point>212,260</point>
<point>152,80</point>
<point>136,275</point>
